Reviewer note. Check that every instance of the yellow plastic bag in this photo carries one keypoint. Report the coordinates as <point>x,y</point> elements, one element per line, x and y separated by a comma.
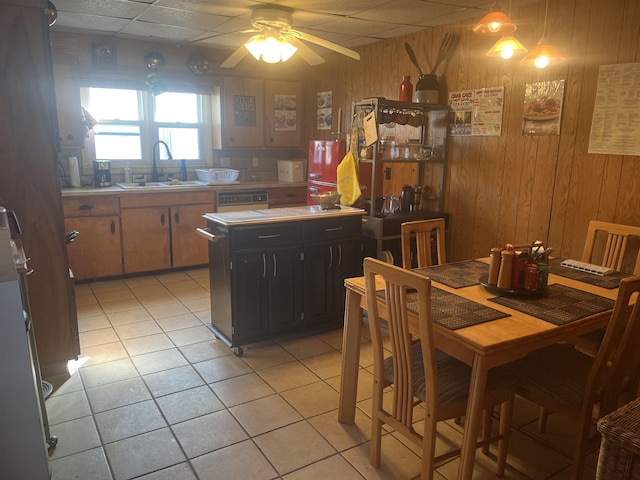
<point>348,184</point>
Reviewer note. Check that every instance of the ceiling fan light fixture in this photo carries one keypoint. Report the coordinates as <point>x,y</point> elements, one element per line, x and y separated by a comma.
<point>495,23</point>
<point>271,47</point>
<point>542,56</point>
<point>506,47</point>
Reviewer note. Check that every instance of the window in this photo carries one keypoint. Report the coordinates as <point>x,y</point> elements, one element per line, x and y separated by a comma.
<point>130,122</point>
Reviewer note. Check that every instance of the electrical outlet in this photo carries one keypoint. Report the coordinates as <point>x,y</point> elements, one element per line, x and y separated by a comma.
<point>256,162</point>
<point>225,162</point>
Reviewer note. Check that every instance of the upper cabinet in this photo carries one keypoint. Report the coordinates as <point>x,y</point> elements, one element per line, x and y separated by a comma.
<point>258,113</point>
<point>70,127</point>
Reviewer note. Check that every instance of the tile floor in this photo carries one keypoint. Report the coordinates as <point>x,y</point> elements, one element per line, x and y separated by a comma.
<point>156,396</point>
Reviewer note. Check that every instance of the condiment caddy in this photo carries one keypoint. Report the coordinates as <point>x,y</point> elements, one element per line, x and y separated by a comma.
<point>519,268</point>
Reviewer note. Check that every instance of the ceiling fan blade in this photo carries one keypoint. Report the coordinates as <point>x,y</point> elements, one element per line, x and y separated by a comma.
<point>308,55</point>
<point>325,43</point>
<point>235,57</point>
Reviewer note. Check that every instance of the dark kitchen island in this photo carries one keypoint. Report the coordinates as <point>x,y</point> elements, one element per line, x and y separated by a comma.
<point>280,271</point>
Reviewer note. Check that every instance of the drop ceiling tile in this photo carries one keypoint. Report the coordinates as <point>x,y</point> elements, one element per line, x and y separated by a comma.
<point>345,7</point>
<point>182,18</point>
<point>107,8</point>
<point>212,7</point>
<point>156,31</point>
<point>354,26</point>
<point>407,11</point>
<point>80,21</point>
<point>400,31</point>
<point>225,40</point>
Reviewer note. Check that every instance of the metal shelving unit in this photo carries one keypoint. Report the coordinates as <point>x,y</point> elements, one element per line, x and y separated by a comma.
<point>405,132</point>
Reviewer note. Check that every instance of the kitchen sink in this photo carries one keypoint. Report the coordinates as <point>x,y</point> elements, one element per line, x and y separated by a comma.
<point>149,185</point>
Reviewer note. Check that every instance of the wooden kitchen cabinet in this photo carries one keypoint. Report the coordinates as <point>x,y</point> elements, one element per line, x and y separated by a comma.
<point>70,128</point>
<point>287,197</point>
<point>159,230</point>
<point>257,113</point>
<point>97,250</point>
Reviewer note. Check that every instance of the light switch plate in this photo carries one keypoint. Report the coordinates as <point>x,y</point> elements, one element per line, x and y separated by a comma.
<point>256,162</point>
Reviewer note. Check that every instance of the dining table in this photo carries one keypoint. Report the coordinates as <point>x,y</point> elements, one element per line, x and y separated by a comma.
<point>483,326</point>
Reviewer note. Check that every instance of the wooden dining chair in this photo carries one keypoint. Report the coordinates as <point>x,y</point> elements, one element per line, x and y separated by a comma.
<point>613,240</point>
<point>568,381</point>
<point>420,373</point>
<point>422,230</point>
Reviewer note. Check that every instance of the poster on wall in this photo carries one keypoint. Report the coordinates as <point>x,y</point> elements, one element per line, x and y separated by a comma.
<point>286,109</point>
<point>615,125</point>
<point>244,111</point>
<point>543,108</point>
<point>324,104</point>
<point>476,112</point>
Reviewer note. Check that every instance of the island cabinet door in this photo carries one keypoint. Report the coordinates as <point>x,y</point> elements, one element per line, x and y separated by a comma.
<point>318,283</point>
<point>250,295</point>
<point>285,288</point>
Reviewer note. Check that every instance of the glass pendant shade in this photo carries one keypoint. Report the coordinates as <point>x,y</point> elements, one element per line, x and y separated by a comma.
<point>542,56</point>
<point>506,47</point>
<point>271,48</point>
<point>495,23</point>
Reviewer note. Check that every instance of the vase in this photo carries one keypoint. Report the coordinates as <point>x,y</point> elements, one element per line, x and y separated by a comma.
<point>427,88</point>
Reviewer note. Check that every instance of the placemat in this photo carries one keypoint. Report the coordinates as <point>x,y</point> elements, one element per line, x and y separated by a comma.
<point>457,274</point>
<point>559,305</point>
<point>452,311</point>
<point>610,281</point>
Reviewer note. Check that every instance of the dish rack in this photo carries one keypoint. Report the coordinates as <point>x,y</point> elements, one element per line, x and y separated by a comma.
<point>217,175</point>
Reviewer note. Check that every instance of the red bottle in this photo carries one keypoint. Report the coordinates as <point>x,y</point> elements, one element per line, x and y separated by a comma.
<point>406,89</point>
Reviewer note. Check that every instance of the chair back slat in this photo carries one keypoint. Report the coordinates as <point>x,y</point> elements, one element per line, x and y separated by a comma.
<point>396,283</point>
<point>618,352</point>
<point>615,249</point>
<point>423,230</point>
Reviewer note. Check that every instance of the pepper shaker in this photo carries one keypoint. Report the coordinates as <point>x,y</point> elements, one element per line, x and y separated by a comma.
<point>494,266</point>
<point>506,267</point>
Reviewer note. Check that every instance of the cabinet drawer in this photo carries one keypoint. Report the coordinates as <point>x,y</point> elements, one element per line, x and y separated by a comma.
<point>90,206</point>
<point>330,228</point>
<point>287,196</point>
<point>265,236</point>
<point>166,199</point>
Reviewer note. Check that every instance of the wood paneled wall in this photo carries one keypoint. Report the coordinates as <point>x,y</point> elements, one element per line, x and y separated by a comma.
<point>514,188</point>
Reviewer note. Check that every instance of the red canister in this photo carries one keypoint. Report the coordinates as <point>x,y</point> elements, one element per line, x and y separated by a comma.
<point>531,276</point>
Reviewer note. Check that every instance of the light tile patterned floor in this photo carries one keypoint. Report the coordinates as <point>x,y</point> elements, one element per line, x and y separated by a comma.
<point>157,397</point>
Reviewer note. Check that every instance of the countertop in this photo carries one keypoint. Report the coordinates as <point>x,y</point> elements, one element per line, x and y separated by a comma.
<point>276,215</point>
<point>115,190</point>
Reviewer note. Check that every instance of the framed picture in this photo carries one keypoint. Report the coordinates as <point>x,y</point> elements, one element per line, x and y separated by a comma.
<point>104,56</point>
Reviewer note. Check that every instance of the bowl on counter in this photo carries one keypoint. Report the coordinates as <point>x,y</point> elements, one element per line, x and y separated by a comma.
<point>326,200</point>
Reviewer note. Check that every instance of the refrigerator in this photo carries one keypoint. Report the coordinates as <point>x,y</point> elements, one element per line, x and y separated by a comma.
<point>324,157</point>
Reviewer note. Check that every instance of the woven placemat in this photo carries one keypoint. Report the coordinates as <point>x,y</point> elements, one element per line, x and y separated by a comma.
<point>456,275</point>
<point>610,281</point>
<point>452,311</point>
<point>559,305</point>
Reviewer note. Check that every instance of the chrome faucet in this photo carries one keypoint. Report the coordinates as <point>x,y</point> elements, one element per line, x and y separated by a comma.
<point>154,167</point>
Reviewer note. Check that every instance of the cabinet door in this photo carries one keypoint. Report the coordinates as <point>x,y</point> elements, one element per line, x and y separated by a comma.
<point>243,112</point>
<point>318,283</point>
<point>397,174</point>
<point>250,295</point>
<point>145,239</point>
<point>287,197</point>
<point>187,247</point>
<point>349,264</point>
<point>96,251</point>
<point>70,128</point>
<point>285,294</point>
<point>283,109</point>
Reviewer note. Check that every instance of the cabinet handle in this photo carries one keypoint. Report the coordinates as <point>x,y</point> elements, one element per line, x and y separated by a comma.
<point>387,173</point>
<point>275,265</point>
<point>334,229</point>
<point>313,175</point>
<point>339,254</point>
<point>162,219</point>
<point>85,207</point>
<point>264,266</point>
<point>262,237</point>
<point>113,226</point>
<point>204,232</point>
<point>330,256</point>
<point>176,216</point>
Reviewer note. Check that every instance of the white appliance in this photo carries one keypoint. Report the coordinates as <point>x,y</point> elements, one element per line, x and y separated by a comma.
<point>22,441</point>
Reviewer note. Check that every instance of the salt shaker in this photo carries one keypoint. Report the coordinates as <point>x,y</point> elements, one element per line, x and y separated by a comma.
<point>494,266</point>
<point>506,267</point>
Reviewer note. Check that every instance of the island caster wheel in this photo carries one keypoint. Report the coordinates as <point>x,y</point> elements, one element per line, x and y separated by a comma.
<point>52,441</point>
<point>238,351</point>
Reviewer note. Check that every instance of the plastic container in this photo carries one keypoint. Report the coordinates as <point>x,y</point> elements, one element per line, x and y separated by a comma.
<point>291,171</point>
<point>217,175</point>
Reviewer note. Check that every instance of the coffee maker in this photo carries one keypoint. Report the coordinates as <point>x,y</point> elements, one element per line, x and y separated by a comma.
<point>102,173</point>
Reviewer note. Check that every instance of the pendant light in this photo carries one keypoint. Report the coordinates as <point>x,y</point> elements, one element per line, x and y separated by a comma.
<point>52,13</point>
<point>495,23</point>
<point>506,47</point>
<point>543,54</point>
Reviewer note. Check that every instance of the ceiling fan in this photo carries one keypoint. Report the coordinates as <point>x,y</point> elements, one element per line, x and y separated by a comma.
<point>272,26</point>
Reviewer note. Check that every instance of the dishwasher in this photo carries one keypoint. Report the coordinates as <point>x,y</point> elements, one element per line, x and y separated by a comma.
<point>238,201</point>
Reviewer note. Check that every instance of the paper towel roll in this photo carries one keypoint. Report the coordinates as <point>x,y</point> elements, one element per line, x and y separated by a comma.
<point>74,172</point>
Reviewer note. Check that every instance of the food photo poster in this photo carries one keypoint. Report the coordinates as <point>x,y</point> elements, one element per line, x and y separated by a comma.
<point>543,108</point>
<point>324,104</point>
